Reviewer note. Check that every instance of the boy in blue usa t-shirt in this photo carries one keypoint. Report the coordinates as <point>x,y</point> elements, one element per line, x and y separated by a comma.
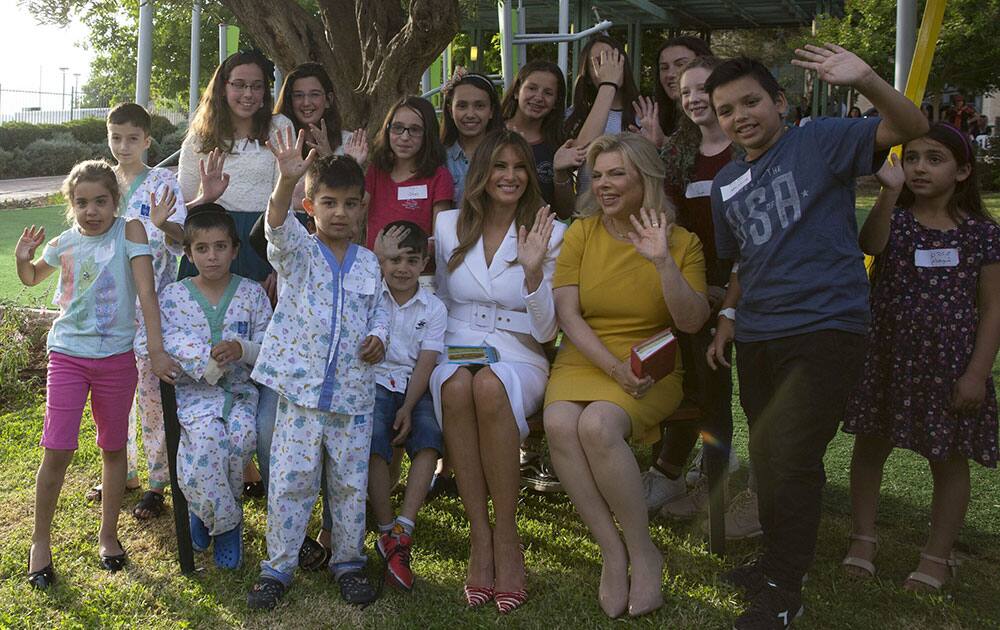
<point>797,302</point>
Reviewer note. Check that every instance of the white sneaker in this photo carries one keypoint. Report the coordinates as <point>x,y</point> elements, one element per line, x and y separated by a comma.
<point>690,504</point>
<point>696,471</point>
<point>742,519</point>
<point>658,488</point>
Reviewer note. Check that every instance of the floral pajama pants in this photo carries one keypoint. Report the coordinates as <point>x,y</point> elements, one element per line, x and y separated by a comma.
<point>211,457</point>
<point>301,438</point>
<point>154,441</point>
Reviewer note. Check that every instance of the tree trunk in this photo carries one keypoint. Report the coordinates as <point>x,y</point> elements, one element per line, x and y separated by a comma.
<point>375,52</point>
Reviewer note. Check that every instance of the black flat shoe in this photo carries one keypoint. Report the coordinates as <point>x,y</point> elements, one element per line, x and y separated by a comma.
<point>43,578</point>
<point>116,562</point>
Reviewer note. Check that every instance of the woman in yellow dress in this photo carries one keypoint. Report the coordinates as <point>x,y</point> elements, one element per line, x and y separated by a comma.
<point>625,273</point>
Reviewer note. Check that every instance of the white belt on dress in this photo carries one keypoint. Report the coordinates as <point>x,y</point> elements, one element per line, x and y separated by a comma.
<point>487,317</point>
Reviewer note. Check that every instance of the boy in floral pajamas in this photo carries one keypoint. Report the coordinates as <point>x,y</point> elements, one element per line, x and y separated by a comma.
<point>213,324</point>
<point>328,330</point>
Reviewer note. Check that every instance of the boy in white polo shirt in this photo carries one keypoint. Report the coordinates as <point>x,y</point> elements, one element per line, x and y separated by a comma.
<point>404,412</point>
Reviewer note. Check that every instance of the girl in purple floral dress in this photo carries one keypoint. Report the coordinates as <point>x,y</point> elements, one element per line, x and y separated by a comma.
<point>935,332</point>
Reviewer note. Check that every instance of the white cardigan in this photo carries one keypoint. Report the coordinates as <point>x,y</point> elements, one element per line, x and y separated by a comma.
<point>501,284</point>
<point>252,168</point>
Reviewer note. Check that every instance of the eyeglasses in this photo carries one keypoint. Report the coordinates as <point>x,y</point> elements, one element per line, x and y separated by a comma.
<point>241,86</point>
<point>313,95</point>
<point>398,129</point>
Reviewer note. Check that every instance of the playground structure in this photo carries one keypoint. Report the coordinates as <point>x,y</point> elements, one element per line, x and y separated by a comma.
<point>565,23</point>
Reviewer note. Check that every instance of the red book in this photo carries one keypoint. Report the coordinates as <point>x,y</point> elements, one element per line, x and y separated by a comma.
<point>655,357</point>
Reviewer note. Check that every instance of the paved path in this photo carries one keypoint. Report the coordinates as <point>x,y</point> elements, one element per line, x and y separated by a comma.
<point>29,187</point>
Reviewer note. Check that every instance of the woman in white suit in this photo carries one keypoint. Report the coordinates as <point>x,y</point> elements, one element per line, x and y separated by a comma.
<point>495,258</point>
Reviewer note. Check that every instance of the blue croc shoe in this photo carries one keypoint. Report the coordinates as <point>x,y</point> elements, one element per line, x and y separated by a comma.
<point>228,550</point>
<point>200,538</point>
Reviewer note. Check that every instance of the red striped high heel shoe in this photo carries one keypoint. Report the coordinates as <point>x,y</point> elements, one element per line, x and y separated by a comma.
<point>476,596</point>
<point>507,602</point>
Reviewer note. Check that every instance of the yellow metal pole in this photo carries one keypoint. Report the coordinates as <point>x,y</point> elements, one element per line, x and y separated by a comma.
<point>920,67</point>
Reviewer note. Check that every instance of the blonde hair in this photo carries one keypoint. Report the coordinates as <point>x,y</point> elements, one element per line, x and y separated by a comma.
<point>97,171</point>
<point>476,203</point>
<point>641,156</point>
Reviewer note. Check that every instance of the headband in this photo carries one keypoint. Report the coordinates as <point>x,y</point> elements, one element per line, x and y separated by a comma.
<point>965,141</point>
<point>485,83</point>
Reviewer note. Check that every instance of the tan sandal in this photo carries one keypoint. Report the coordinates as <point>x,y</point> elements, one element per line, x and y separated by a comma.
<point>929,580</point>
<point>865,565</point>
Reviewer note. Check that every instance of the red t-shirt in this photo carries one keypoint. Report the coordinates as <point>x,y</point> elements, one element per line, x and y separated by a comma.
<point>410,200</point>
<point>694,206</point>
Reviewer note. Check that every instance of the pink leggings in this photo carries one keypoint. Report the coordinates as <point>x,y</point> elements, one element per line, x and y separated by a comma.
<point>111,382</point>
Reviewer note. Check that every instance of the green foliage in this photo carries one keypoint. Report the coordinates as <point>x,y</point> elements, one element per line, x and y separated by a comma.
<point>57,155</point>
<point>988,168</point>
<point>967,56</point>
<point>114,25</point>
<point>8,164</point>
<point>160,126</point>
<point>88,130</point>
<point>16,344</point>
<point>17,135</point>
<point>35,150</point>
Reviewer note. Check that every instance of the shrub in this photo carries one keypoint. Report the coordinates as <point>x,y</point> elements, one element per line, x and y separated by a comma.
<point>16,339</point>
<point>161,127</point>
<point>988,166</point>
<point>8,163</point>
<point>90,130</point>
<point>168,144</point>
<point>18,135</point>
<point>55,156</point>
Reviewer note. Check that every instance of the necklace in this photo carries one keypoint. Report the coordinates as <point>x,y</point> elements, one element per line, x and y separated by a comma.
<point>609,223</point>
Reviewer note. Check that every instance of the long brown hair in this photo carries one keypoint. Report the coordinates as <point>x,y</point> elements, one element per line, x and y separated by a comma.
<point>553,122</point>
<point>669,110</point>
<point>477,203</point>
<point>331,115</point>
<point>584,90</point>
<point>212,124</point>
<point>431,154</point>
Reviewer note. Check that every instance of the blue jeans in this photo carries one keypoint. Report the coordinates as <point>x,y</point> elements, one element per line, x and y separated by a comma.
<point>267,409</point>
<point>424,429</point>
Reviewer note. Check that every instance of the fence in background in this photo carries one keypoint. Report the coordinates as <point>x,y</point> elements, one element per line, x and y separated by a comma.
<point>39,107</point>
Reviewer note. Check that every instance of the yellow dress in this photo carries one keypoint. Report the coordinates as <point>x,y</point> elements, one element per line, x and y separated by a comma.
<point>621,298</point>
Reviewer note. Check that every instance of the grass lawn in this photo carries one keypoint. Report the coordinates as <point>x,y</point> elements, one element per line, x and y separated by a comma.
<point>563,562</point>
<point>12,223</point>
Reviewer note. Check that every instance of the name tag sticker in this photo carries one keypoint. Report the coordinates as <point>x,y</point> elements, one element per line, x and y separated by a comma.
<point>699,189</point>
<point>406,193</point>
<point>364,285</point>
<point>936,257</point>
<point>735,186</point>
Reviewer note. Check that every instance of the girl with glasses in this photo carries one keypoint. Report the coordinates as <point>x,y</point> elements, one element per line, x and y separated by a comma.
<point>234,116</point>
<point>407,179</point>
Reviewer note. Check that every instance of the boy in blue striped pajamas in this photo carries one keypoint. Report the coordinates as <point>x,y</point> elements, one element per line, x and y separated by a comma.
<point>329,329</point>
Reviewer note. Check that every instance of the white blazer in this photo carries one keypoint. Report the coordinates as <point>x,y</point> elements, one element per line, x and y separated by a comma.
<point>506,316</point>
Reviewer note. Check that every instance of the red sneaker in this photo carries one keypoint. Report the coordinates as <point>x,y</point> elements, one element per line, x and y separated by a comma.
<point>394,549</point>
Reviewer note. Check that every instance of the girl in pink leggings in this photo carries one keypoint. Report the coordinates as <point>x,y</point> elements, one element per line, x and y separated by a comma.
<point>103,263</point>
